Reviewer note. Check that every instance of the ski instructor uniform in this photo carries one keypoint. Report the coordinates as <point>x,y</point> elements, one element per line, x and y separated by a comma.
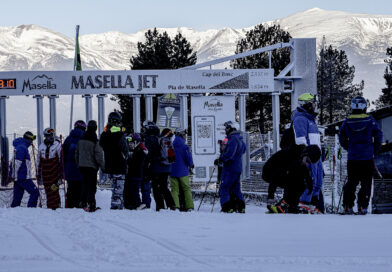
<point>232,168</point>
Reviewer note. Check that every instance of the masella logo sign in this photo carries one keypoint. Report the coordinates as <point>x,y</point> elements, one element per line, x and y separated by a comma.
<point>40,82</point>
<point>213,105</point>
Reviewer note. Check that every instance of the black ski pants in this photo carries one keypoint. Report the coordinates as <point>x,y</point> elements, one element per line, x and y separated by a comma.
<point>359,172</point>
<point>161,191</point>
<point>74,191</point>
<point>89,186</point>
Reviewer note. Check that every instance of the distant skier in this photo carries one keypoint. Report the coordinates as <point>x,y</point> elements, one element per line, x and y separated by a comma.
<point>71,169</point>
<point>116,150</point>
<point>232,167</point>
<point>49,163</point>
<point>89,158</point>
<point>362,138</point>
<point>291,171</point>
<point>136,161</point>
<point>179,177</point>
<point>307,133</point>
<point>20,171</point>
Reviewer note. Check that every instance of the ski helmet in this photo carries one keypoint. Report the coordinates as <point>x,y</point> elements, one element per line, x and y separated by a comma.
<point>49,134</point>
<point>92,125</point>
<point>134,137</point>
<point>80,124</point>
<point>358,103</point>
<point>180,132</point>
<point>308,102</point>
<point>29,136</point>
<point>167,132</point>
<point>114,119</point>
<point>147,124</point>
<point>232,125</point>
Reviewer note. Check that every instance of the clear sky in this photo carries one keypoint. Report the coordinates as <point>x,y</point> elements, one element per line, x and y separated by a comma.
<point>130,16</point>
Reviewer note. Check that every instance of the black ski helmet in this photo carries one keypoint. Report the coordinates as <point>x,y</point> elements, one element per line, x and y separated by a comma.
<point>29,136</point>
<point>114,119</point>
<point>358,103</point>
<point>92,125</point>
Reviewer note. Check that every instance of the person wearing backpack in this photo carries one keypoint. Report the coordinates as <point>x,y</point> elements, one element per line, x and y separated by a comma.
<point>89,158</point>
<point>116,150</point>
<point>362,138</point>
<point>306,133</point>
<point>159,160</point>
<point>72,174</point>
<point>179,177</point>
<point>231,198</point>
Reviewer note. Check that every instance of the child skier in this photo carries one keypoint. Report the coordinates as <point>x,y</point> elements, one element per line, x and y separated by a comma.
<point>287,170</point>
<point>135,175</point>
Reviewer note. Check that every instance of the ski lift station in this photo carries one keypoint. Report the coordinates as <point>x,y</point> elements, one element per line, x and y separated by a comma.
<point>189,83</point>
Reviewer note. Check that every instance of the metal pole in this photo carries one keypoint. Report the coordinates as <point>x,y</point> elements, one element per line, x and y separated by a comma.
<point>52,111</point>
<point>269,59</point>
<point>40,118</point>
<point>184,111</point>
<point>149,107</point>
<point>136,113</point>
<point>101,113</point>
<point>242,111</point>
<point>4,142</point>
<point>275,120</point>
<point>89,107</point>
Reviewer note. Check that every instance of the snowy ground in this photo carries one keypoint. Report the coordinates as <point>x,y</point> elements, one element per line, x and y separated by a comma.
<point>73,240</point>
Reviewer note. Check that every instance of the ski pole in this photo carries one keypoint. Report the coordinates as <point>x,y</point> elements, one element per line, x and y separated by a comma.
<point>36,172</point>
<point>216,192</point>
<point>205,191</point>
<point>63,173</point>
<point>341,194</point>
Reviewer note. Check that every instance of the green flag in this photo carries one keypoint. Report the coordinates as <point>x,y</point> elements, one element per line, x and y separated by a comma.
<point>78,62</point>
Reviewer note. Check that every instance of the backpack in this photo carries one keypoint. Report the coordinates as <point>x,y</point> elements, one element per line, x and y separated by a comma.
<point>288,137</point>
<point>167,154</point>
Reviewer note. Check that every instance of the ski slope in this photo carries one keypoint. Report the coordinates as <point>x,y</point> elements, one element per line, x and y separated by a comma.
<point>73,240</point>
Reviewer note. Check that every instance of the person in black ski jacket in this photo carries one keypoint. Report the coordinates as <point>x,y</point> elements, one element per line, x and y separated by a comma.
<point>136,159</point>
<point>72,173</point>
<point>157,169</point>
<point>116,150</point>
<point>362,138</point>
<point>292,172</point>
<point>89,158</point>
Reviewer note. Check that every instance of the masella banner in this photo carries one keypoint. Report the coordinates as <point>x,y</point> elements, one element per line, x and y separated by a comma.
<point>135,82</point>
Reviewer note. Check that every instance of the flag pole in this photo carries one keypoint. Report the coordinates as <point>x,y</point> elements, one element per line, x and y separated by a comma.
<point>77,66</point>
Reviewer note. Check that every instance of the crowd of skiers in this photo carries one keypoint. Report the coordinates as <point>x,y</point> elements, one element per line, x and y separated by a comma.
<point>136,163</point>
<point>297,167</point>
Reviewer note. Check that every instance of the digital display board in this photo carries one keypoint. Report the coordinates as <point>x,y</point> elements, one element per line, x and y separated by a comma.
<point>8,83</point>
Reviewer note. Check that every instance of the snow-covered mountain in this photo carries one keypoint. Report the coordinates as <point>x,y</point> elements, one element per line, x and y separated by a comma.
<point>29,47</point>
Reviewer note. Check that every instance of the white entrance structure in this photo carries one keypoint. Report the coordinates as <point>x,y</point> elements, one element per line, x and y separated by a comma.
<point>298,77</point>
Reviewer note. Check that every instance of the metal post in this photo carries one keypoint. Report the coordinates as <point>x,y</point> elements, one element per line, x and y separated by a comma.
<point>269,59</point>
<point>4,142</point>
<point>149,107</point>
<point>184,111</point>
<point>136,113</point>
<point>101,113</point>
<point>40,118</point>
<point>275,120</point>
<point>89,107</point>
<point>242,111</point>
<point>52,111</point>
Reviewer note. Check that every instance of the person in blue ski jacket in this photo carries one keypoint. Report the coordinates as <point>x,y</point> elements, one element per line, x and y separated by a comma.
<point>232,167</point>
<point>20,170</point>
<point>307,133</point>
<point>71,170</point>
<point>362,138</point>
<point>179,177</point>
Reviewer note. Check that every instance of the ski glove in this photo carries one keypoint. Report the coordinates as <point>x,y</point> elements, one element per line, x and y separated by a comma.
<point>217,161</point>
<point>55,186</point>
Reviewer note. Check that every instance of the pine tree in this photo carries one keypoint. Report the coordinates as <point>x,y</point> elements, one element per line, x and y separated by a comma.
<point>158,51</point>
<point>259,105</point>
<point>335,85</point>
<point>385,98</point>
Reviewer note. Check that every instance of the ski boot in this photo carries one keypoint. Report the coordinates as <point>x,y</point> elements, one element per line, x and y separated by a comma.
<point>271,206</point>
<point>282,206</point>
<point>362,211</point>
<point>304,208</point>
<point>348,211</point>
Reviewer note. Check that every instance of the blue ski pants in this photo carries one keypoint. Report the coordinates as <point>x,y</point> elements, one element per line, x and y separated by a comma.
<point>230,185</point>
<point>19,187</point>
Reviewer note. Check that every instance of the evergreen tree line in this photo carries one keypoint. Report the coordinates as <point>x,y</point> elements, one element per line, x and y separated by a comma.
<point>335,76</point>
